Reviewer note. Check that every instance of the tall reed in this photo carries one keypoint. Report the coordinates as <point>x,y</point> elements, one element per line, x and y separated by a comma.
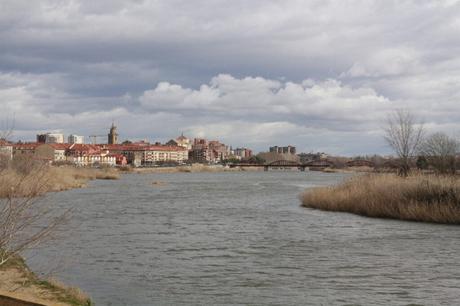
<point>426,198</point>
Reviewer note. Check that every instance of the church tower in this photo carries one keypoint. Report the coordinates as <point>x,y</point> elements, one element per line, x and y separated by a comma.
<point>113,135</point>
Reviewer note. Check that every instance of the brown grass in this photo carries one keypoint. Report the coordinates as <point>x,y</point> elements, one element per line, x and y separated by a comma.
<point>45,178</point>
<point>425,198</point>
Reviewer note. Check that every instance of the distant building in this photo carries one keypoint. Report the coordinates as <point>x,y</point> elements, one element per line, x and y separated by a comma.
<point>6,149</point>
<point>219,150</point>
<point>242,153</point>
<point>51,152</point>
<point>113,135</point>
<point>90,155</point>
<point>183,141</point>
<point>200,151</point>
<point>172,142</point>
<point>204,151</point>
<point>283,150</point>
<point>41,138</point>
<point>141,143</point>
<point>75,139</point>
<point>54,138</point>
<point>120,160</point>
<point>50,138</point>
<point>148,155</point>
<point>25,149</point>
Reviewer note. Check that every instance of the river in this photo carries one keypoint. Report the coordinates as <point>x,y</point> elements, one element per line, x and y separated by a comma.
<point>241,238</point>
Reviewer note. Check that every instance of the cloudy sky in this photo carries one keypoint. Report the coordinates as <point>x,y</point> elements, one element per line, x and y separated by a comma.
<point>321,75</point>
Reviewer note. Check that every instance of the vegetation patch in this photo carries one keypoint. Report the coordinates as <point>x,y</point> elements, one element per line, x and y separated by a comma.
<point>37,179</point>
<point>428,198</point>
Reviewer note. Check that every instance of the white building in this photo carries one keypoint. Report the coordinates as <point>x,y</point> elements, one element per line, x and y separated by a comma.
<point>76,139</point>
<point>6,149</point>
<point>154,154</point>
<point>184,142</point>
<point>54,138</point>
<point>93,159</point>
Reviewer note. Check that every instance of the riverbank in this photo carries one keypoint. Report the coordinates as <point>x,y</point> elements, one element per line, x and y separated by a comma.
<point>18,282</point>
<point>194,168</point>
<point>349,170</point>
<point>38,180</point>
<point>424,198</point>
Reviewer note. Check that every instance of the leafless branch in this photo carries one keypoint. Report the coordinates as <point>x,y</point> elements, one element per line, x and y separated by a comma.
<point>440,150</point>
<point>26,219</point>
<point>404,136</point>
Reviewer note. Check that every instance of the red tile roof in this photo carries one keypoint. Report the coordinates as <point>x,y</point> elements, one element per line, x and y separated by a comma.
<point>133,147</point>
<point>58,146</point>
<point>84,147</point>
<point>4,142</point>
<point>25,146</point>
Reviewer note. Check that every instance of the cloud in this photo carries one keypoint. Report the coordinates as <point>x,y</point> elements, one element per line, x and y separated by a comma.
<point>328,71</point>
<point>315,103</point>
<point>386,62</point>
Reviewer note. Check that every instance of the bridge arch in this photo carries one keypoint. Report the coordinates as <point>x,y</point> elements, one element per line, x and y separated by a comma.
<point>282,163</point>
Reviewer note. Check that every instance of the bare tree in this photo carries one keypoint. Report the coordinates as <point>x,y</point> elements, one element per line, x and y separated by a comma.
<point>440,150</point>
<point>26,219</point>
<point>6,128</point>
<point>404,136</point>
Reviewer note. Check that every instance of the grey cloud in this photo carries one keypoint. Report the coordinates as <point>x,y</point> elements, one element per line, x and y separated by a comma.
<point>63,61</point>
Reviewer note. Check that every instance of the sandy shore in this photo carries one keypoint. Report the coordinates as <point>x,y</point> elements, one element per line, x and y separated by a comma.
<point>18,282</point>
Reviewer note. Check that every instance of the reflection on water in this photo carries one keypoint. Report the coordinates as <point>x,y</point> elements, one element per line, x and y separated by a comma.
<point>242,238</point>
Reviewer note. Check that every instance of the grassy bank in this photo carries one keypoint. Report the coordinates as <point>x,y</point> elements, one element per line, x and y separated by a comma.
<point>418,198</point>
<point>17,281</point>
<point>40,179</point>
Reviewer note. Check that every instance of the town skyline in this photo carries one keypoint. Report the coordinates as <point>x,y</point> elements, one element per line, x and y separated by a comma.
<point>101,138</point>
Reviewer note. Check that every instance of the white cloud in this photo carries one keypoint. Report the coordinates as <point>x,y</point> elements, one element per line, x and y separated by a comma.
<point>257,96</point>
<point>386,62</point>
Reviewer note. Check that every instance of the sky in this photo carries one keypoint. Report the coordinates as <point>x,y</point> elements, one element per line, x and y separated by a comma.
<point>319,75</point>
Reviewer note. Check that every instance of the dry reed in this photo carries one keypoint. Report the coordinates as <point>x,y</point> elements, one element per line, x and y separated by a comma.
<point>69,293</point>
<point>45,178</point>
<point>425,198</point>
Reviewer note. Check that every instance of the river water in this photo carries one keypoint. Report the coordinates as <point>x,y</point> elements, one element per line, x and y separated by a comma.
<point>241,238</point>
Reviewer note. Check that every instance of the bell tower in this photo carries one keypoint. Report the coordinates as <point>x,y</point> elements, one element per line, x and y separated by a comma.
<point>113,135</point>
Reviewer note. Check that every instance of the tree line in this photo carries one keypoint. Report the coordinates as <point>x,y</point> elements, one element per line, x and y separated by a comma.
<point>409,140</point>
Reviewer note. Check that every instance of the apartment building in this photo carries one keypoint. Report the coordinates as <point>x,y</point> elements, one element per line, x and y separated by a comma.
<point>75,139</point>
<point>54,138</point>
<point>242,153</point>
<point>138,155</point>
<point>163,153</point>
<point>283,150</point>
<point>204,151</point>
